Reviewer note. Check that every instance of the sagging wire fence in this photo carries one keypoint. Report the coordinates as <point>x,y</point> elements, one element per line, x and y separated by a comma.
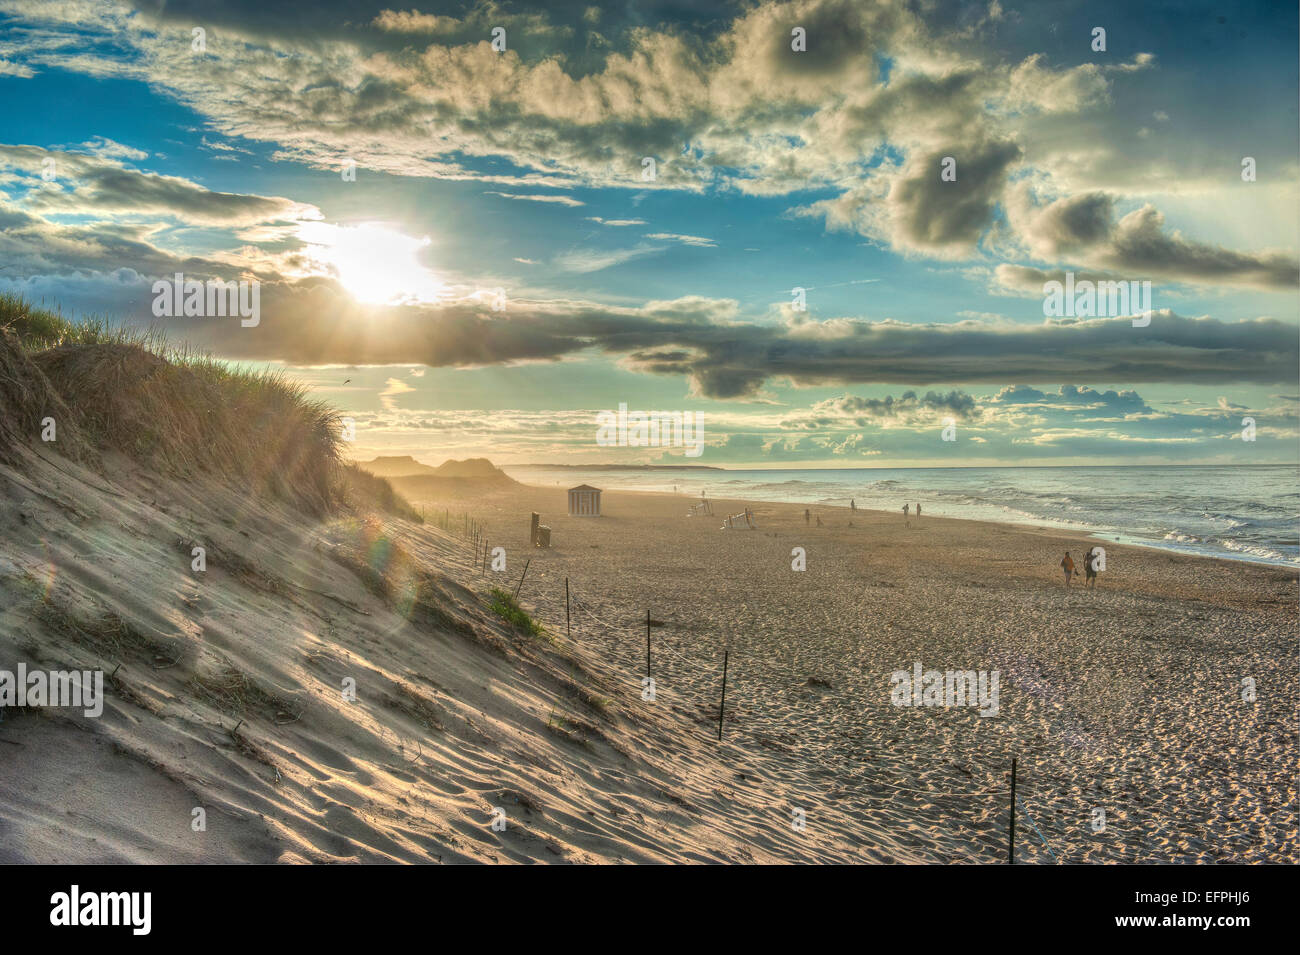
<point>664,659</point>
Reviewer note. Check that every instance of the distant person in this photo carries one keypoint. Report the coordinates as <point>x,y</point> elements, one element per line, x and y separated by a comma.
<point>905,507</point>
<point>852,505</point>
<point>918,510</point>
<point>1090,569</point>
<point>807,516</point>
<point>1067,565</point>
<point>819,520</point>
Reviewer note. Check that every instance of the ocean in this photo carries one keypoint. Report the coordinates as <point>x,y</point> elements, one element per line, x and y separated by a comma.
<point>1243,512</point>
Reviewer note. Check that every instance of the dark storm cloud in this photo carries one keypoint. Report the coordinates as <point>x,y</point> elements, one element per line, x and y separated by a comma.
<point>1140,245</point>
<point>1082,229</point>
<point>580,33</point>
<point>1081,220</point>
<point>85,183</point>
<point>857,411</point>
<point>315,323</point>
<point>1123,402</point>
<point>30,245</point>
<point>931,214</point>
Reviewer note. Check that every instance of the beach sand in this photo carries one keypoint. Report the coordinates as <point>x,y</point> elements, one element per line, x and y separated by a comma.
<point>1123,705</point>
<point>224,690</point>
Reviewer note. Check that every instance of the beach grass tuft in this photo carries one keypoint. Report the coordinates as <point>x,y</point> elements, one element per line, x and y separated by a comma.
<point>180,410</point>
<point>504,605</point>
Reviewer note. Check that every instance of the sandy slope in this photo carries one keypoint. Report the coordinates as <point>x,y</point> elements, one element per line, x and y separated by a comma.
<point>455,713</point>
<point>1126,699</point>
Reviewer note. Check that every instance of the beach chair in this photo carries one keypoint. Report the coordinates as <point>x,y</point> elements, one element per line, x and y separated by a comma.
<point>743,521</point>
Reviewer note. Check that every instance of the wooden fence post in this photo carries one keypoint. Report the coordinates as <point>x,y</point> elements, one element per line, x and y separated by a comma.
<point>1011,829</point>
<point>648,624</point>
<point>722,707</point>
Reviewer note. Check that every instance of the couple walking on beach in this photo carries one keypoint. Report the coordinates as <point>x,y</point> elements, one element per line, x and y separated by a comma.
<point>918,510</point>
<point>1089,567</point>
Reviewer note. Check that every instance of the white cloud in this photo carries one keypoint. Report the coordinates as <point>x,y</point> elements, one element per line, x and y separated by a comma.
<point>594,260</point>
<point>558,200</point>
<point>395,387</point>
<point>694,240</point>
<point>616,222</point>
<point>16,69</point>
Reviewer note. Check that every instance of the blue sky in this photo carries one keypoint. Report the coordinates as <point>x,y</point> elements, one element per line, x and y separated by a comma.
<point>133,148</point>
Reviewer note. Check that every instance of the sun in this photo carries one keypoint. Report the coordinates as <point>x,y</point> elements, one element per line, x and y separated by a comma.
<point>377,264</point>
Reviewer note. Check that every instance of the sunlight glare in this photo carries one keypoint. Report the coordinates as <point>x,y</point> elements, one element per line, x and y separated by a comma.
<point>377,264</point>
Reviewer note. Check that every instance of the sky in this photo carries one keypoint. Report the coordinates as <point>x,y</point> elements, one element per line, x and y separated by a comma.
<point>827,228</point>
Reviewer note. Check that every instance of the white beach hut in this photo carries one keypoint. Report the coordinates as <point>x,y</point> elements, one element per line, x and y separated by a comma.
<point>584,501</point>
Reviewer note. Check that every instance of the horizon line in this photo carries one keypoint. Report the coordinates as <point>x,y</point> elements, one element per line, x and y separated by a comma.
<point>898,467</point>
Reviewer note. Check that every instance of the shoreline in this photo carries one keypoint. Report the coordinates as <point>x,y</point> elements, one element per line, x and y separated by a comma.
<point>1029,524</point>
<point>1028,521</point>
<point>946,467</point>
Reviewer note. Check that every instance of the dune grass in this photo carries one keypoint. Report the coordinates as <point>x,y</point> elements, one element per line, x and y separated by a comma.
<point>39,328</point>
<point>184,412</point>
<point>360,485</point>
<point>504,605</point>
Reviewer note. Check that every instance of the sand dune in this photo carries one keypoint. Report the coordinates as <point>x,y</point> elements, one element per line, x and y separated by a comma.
<point>1125,699</point>
<point>333,682</point>
<point>456,712</point>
